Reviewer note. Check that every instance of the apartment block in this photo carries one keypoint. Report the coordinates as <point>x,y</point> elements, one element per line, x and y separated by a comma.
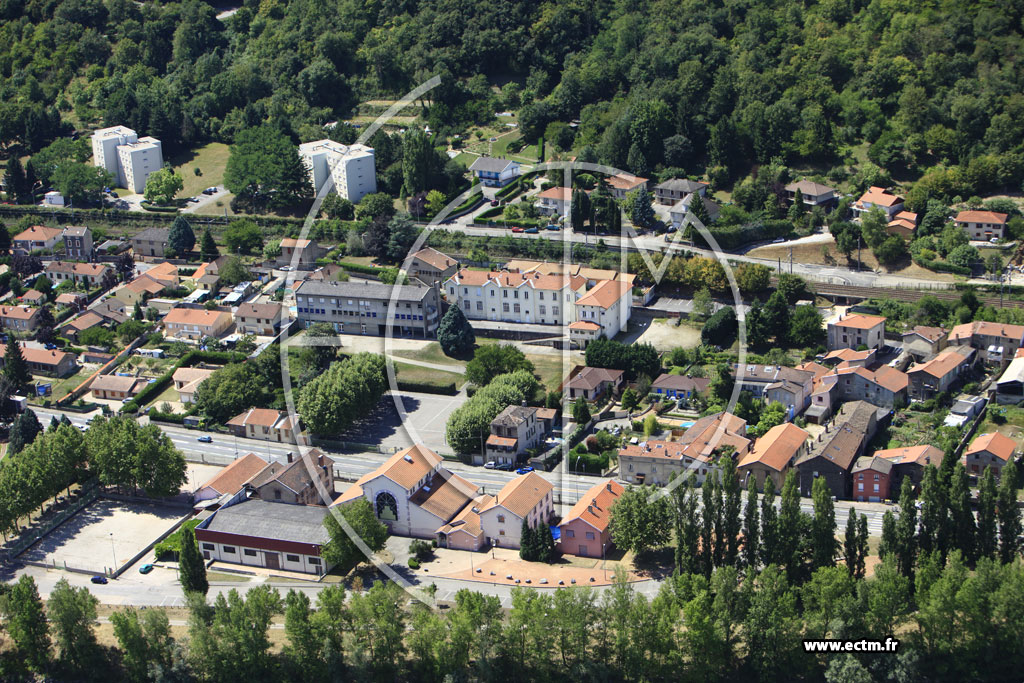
<point>126,156</point>
<point>351,166</point>
<point>362,307</point>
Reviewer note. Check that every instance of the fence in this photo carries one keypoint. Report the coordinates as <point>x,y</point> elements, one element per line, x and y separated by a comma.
<point>29,537</point>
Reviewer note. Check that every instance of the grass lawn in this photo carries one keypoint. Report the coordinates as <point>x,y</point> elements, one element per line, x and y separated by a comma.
<point>421,375</point>
<point>549,368</point>
<point>812,254</point>
<point>170,395</point>
<point>1012,427</point>
<point>218,207</point>
<point>60,387</point>
<point>211,160</point>
<point>431,353</point>
<point>465,159</point>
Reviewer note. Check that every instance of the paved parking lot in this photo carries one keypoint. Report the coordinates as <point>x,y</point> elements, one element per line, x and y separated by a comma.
<point>424,421</point>
<point>105,534</point>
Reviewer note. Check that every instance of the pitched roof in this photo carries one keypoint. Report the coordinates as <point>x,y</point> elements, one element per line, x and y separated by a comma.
<point>117,383</point>
<point>514,415</point>
<point>849,431</point>
<point>584,325</point>
<point>681,383</point>
<point>76,230</point>
<point>559,193</point>
<point>988,329</point>
<point>236,475</point>
<point>917,455</point>
<point>777,447</point>
<point>594,507</point>
<point>605,294</point>
<point>681,185</point>
<point>624,181</point>
<point>444,495</point>
<point>40,356</point>
<point>18,312</point>
<point>145,283</point>
<point>880,197</point>
<point>995,443</point>
<point>271,310</point>
<point>932,334</point>
<point>873,463</point>
<point>38,233</point>
<point>943,364</point>
<point>33,296</point>
<point>849,355</point>
<point>531,280</point>
<point>85,321</point>
<point>408,466</point>
<point>80,269</point>
<point>468,521</point>
<point>809,187</point>
<point>294,475</point>
<point>859,321</point>
<point>817,369</point>
<point>293,243</point>
<point>196,316</point>
<point>522,494</point>
<point>699,442</point>
<point>978,217</point>
<point>191,377</point>
<point>258,417</point>
<point>590,378</point>
<point>152,235</point>
<point>70,298</point>
<point>891,378</point>
<point>435,258</point>
<point>490,164</point>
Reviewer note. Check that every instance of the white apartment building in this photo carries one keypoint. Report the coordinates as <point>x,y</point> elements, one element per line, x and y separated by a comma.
<point>547,299</point>
<point>351,167</point>
<point>126,156</point>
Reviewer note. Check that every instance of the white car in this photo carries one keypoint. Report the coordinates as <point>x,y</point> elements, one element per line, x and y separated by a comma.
<point>490,465</point>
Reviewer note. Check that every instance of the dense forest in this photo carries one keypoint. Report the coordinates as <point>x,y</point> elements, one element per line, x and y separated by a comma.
<point>920,87</point>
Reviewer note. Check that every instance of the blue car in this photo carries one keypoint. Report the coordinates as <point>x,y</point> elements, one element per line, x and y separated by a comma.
<point>524,470</point>
<point>552,226</point>
<point>533,230</point>
<point>206,439</point>
<point>146,568</point>
<point>99,578</point>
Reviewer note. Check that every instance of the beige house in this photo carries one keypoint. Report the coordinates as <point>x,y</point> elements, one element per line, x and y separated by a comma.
<point>19,318</point>
<point>116,387</point>
<point>554,201</point>
<point>997,342</point>
<point>813,194</point>
<point>923,342</point>
<point>80,324</point>
<point>669,192</point>
<point>90,274</point>
<point>140,289</point>
<point>593,383</point>
<point>526,498</point>
<point>622,184</point>
<point>231,479</point>
<point>989,450</point>
<point>856,330</point>
<point>267,425</point>
<point>259,319</point>
<point>196,323</point>
<point>308,252</point>
<point>52,363</point>
<point>431,266</point>
<point>187,380</point>
<point>940,374</point>
<point>36,238</point>
<point>772,455</point>
<point>306,480</point>
<point>982,225</point>
<point>516,430</point>
<point>880,198</point>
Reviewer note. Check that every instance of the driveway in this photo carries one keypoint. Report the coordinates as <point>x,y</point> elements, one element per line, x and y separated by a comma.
<point>204,200</point>
<point>424,422</point>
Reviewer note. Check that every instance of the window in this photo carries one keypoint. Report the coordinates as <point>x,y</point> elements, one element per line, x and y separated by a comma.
<point>570,533</point>
<point>479,307</point>
<point>543,310</point>
<point>314,560</point>
<point>554,310</point>
<point>876,488</point>
<point>292,558</point>
<point>501,519</point>
<point>249,552</point>
<point>230,549</point>
<point>515,307</point>
<point>501,532</point>
<point>590,535</point>
<point>504,308</point>
<point>860,486</point>
<point>876,477</point>
<point>207,546</point>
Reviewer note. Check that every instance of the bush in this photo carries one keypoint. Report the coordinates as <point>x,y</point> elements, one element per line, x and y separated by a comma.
<point>414,563</point>
<point>448,389</point>
<point>421,550</point>
<point>169,548</point>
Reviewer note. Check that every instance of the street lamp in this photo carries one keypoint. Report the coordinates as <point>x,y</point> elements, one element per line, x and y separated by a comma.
<point>113,552</point>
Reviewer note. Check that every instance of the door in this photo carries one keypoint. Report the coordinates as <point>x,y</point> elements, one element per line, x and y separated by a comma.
<point>583,551</point>
<point>272,560</point>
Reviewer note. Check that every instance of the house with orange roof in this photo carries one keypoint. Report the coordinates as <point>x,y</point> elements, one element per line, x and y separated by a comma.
<point>554,201</point>
<point>878,197</point>
<point>259,319</point>
<point>848,358</point>
<point>140,289</point>
<point>989,450</point>
<point>80,324</point>
<point>655,461</point>
<point>996,342</point>
<point>585,530</point>
<point>305,251</point>
<point>266,424</point>
<point>304,480</point>
<point>33,297</point>
<point>116,387</point>
<point>231,479</point>
<point>903,224</point>
<point>50,362</point>
<point>941,373</point>
<point>772,455</point>
<point>622,184</point>
<point>36,238</point>
<point>432,267</point>
<point>465,532</point>
<point>609,305</point>
<point>982,225</point>
<point>187,380</point>
<point>922,342</point>
<point>19,318</point>
<point>856,330</point>
<point>90,274</point>
<point>527,498</point>
<point>197,323</point>
<point>413,493</point>
<point>910,461</point>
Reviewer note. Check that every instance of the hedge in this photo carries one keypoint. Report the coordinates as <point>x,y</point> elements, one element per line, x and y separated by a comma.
<point>448,389</point>
<point>360,268</point>
<point>735,236</point>
<point>942,266</point>
<point>172,544</point>
<point>510,190</point>
<point>160,209</point>
<point>154,389</point>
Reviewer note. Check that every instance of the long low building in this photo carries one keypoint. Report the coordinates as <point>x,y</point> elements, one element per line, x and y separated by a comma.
<point>264,534</point>
<point>363,307</point>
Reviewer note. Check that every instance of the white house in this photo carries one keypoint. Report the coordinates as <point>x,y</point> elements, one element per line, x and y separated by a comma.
<point>554,201</point>
<point>351,166</point>
<point>126,156</point>
<point>527,497</point>
<point>494,172</point>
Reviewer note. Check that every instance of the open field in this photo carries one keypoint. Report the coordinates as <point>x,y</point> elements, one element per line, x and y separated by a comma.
<point>418,374</point>
<point>431,353</point>
<point>812,253</point>
<point>60,388</point>
<point>211,159</point>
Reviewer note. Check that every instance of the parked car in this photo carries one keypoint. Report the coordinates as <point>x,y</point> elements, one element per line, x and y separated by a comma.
<point>490,465</point>
<point>210,190</point>
<point>99,578</point>
<point>494,202</point>
<point>206,439</point>
<point>516,228</point>
<point>524,470</point>
<point>194,200</point>
<point>504,467</point>
<point>552,226</point>
<point>532,230</point>
<point>146,568</point>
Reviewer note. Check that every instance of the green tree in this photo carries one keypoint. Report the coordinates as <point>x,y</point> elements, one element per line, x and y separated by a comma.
<point>341,550</point>
<point>987,497</point>
<point>419,162</point>
<point>639,520</point>
<point>162,186</point>
<point>806,327</point>
<point>823,526</point>
<point>17,183</point>
<point>24,430</point>
<point>580,210</point>
<point>776,317</point>
<point>455,334</point>
<point>402,233</point>
<point>769,550</point>
<point>703,305</point>
<point>630,400</point>
<point>79,183</point>
<point>72,615</point>
<point>348,390</point>
<point>772,628</point>
<point>751,528</point>
<point>851,549</point>
<point>376,205</point>
<point>1008,513</point>
<point>640,204</point>
<point>264,169</point>
<point>243,236</point>
<point>26,624</point>
<point>731,504</point>
<point>15,367</point>
<point>698,211</point>
<point>492,360</point>
<point>906,531</point>
<point>207,246</point>
<point>580,411</point>
<point>721,328</point>
<point>963,529</point>
<point>181,239</point>
<point>792,525</point>
<point>191,565</point>
<point>146,643</point>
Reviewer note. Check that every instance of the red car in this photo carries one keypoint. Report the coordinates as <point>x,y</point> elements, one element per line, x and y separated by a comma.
<point>516,229</point>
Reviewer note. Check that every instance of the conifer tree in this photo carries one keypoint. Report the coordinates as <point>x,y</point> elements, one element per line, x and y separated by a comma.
<point>751,528</point>
<point>823,526</point>
<point>191,565</point>
<point>15,367</point>
<point>1008,514</point>
<point>987,515</point>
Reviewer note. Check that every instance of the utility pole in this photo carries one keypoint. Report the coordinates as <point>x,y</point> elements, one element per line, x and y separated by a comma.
<point>791,260</point>
<point>858,252</point>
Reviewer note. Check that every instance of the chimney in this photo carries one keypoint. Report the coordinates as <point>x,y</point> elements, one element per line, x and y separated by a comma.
<point>289,458</point>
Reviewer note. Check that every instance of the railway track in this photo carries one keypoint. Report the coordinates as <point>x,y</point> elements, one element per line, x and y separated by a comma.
<point>906,294</point>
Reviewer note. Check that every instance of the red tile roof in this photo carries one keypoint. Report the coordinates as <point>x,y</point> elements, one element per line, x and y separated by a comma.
<point>594,507</point>
<point>978,217</point>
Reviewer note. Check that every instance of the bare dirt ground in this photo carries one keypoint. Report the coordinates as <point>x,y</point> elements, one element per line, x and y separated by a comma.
<point>664,336</point>
<point>812,253</point>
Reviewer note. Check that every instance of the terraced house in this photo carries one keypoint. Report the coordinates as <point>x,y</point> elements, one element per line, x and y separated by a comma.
<point>89,274</point>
